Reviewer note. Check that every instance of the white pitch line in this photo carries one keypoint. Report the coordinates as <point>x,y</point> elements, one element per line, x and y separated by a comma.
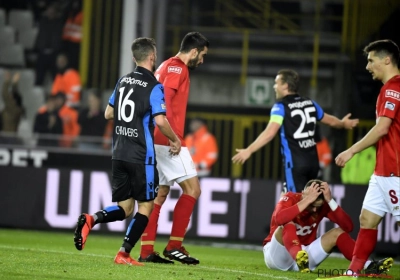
<point>270,276</point>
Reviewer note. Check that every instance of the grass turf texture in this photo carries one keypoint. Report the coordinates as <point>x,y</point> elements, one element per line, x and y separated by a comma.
<point>49,255</point>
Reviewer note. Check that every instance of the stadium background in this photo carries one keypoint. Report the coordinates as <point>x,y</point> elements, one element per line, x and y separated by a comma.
<point>250,40</point>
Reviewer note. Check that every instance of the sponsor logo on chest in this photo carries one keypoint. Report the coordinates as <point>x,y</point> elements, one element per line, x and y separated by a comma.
<point>134,81</point>
<point>392,94</point>
<point>300,104</point>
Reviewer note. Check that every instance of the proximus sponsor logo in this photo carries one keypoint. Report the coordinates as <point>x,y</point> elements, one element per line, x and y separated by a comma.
<point>133,81</point>
<point>300,104</point>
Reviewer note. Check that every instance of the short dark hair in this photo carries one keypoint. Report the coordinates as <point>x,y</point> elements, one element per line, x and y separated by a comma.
<point>319,182</point>
<point>291,78</point>
<point>194,40</point>
<point>142,47</point>
<point>384,48</point>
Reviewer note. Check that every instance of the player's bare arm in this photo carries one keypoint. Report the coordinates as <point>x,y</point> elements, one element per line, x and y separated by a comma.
<point>377,132</point>
<point>335,122</point>
<point>264,138</point>
<point>165,128</point>
<point>109,113</point>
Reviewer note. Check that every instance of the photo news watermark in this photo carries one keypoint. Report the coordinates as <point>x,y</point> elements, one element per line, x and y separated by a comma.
<point>329,273</point>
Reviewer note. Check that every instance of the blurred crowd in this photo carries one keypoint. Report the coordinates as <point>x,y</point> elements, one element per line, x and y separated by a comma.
<point>54,58</point>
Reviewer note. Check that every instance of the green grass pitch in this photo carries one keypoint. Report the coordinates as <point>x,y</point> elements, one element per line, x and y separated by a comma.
<point>51,255</point>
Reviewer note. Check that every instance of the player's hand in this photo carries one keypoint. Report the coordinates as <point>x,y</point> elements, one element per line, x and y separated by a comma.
<point>312,192</point>
<point>324,187</point>
<point>175,147</point>
<point>241,156</point>
<point>349,123</point>
<point>343,158</point>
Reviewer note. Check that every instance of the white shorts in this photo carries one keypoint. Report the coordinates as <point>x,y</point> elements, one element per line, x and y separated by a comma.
<point>174,168</point>
<point>277,257</point>
<point>383,196</point>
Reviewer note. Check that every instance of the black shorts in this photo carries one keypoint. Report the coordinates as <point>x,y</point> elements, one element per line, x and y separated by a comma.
<point>296,178</point>
<point>136,180</point>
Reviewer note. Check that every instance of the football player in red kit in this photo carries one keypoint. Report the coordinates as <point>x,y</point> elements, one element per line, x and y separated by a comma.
<point>383,194</point>
<point>293,245</point>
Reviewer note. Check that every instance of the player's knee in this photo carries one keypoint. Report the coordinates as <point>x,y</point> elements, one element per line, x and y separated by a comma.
<point>196,192</point>
<point>128,209</point>
<point>191,187</point>
<point>163,192</point>
<point>336,232</point>
<point>192,190</point>
<point>361,218</point>
<point>369,221</point>
<point>160,200</point>
<point>145,208</point>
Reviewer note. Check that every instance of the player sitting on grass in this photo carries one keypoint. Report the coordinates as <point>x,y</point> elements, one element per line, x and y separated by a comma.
<point>292,244</point>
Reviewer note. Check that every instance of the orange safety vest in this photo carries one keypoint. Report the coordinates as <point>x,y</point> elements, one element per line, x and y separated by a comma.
<point>203,147</point>
<point>70,84</point>
<point>324,152</point>
<point>73,28</point>
<point>71,127</point>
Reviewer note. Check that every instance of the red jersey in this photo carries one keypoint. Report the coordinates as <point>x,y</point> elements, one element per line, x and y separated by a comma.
<point>388,147</point>
<point>174,74</point>
<point>306,222</point>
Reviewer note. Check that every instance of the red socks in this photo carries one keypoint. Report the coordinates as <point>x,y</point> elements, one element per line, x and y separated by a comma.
<point>346,245</point>
<point>365,244</point>
<point>149,234</point>
<point>182,212</point>
<point>290,240</point>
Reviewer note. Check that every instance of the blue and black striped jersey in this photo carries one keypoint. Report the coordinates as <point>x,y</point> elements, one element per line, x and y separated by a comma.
<point>298,117</point>
<point>137,98</point>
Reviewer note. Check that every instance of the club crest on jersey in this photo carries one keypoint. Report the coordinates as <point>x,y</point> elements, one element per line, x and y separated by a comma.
<point>163,106</point>
<point>390,105</point>
<point>174,69</point>
<point>392,94</point>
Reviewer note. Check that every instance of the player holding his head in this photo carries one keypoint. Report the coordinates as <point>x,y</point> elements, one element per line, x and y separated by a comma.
<point>293,245</point>
<point>383,195</point>
<point>135,105</point>
<point>174,75</point>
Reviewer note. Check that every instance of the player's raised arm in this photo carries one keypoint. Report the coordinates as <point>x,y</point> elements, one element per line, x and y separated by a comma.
<point>335,122</point>
<point>263,139</point>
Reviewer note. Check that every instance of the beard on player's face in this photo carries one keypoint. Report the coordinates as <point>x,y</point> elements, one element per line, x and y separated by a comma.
<point>193,63</point>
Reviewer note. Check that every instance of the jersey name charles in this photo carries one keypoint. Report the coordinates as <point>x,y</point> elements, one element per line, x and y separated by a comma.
<point>126,131</point>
